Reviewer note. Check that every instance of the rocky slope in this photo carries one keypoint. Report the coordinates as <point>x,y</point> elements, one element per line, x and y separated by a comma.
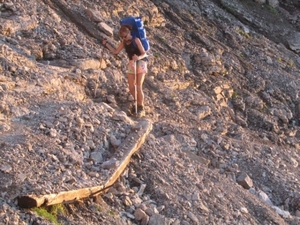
<point>222,95</point>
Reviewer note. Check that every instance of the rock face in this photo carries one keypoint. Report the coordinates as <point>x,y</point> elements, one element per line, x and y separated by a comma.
<point>294,42</point>
<point>222,95</point>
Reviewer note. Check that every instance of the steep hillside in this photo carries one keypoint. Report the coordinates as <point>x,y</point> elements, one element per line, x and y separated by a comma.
<point>222,98</point>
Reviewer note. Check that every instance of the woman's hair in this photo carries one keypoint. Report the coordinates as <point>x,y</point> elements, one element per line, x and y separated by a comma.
<point>124,29</point>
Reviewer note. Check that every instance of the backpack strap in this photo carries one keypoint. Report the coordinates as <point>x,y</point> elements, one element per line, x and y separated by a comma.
<point>133,40</point>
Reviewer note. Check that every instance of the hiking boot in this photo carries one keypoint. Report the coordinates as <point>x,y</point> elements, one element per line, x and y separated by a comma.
<point>140,111</point>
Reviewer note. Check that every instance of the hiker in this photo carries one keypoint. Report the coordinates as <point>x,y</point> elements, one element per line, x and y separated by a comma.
<point>137,59</point>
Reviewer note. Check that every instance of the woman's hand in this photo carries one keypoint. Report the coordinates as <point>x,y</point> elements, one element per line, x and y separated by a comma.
<point>135,57</point>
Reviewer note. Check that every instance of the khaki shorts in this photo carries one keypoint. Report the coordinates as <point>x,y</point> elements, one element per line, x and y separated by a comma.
<point>141,67</point>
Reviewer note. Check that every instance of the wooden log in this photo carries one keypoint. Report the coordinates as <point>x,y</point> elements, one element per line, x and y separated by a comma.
<point>131,145</point>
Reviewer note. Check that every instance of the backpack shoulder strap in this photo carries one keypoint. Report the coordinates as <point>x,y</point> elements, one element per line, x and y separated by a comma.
<point>133,41</point>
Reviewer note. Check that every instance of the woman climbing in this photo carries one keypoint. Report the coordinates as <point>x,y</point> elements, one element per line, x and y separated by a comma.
<point>137,66</point>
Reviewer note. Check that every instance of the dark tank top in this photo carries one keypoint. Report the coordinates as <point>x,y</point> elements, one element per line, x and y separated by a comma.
<point>131,50</point>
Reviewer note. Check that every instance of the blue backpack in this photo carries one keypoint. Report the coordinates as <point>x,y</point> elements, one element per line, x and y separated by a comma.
<point>138,30</point>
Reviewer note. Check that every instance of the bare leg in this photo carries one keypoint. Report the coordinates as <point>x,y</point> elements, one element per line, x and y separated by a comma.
<point>140,93</point>
<point>131,81</point>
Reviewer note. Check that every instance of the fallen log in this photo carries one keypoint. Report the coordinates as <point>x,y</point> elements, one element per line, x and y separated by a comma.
<point>131,145</point>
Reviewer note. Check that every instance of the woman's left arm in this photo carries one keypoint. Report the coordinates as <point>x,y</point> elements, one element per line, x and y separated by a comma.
<point>141,48</point>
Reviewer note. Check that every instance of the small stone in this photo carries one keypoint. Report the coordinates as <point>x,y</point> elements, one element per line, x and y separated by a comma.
<point>52,133</point>
<point>139,214</point>
<point>127,201</point>
<point>113,163</point>
<point>244,210</point>
<point>193,217</point>
<point>6,168</point>
<point>244,180</point>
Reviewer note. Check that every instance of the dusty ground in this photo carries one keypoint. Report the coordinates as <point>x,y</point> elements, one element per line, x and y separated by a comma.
<point>222,95</point>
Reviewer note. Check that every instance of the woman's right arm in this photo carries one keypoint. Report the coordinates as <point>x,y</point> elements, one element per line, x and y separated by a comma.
<point>114,51</point>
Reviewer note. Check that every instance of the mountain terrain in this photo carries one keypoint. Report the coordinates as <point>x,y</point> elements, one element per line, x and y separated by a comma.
<point>222,117</point>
